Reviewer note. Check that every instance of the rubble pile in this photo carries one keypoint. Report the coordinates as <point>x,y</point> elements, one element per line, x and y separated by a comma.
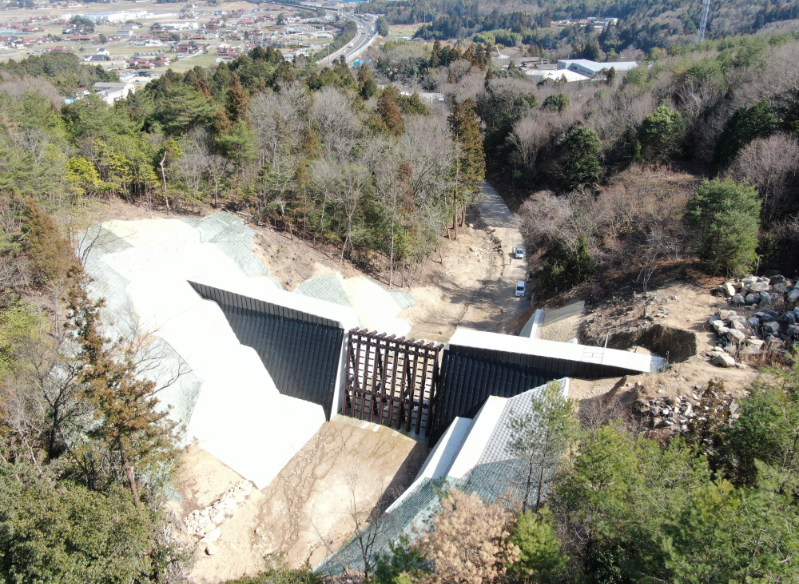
<point>680,413</point>
<point>756,326</point>
<point>207,523</point>
<point>760,291</point>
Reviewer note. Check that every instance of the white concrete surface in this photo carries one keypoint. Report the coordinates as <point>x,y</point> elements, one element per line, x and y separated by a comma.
<point>569,351</point>
<point>239,416</point>
<point>440,458</point>
<point>479,434</point>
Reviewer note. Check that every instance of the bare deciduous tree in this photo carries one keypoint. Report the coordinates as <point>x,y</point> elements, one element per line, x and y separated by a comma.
<point>772,165</point>
<point>468,542</point>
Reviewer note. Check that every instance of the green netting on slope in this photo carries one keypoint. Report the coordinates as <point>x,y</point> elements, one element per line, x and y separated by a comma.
<point>180,386</point>
<point>415,514</point>
<point>106,282</point>
<point>161,362</point>
<point>403,299</point>
<point>234,238</point>
<point>329,287</point>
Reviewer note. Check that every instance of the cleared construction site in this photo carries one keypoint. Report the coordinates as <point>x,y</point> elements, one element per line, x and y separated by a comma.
<point>320,380</point>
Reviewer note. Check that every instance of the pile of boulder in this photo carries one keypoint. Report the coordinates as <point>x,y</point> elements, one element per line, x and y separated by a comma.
<point>760,291</point>
<point>752,334</point>
<point>207,523</point>
<point>681,412</point>
<point>665,412</point>
<point>756,325</point>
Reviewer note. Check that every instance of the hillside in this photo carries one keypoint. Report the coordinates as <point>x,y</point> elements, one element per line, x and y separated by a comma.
<point>187,390</point>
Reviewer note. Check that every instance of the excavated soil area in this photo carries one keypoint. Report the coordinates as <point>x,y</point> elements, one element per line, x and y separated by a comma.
<point>307,510</point>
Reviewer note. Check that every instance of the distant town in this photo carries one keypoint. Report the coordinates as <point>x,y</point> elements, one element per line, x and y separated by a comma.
<point>142,39</point>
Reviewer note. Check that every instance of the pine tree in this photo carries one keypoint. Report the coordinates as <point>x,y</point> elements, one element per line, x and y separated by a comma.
<point>538,440</point>
<point>130,425</point>
<point>724,217</point>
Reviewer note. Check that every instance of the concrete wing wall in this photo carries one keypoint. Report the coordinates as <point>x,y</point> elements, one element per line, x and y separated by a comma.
<point>300,351</point>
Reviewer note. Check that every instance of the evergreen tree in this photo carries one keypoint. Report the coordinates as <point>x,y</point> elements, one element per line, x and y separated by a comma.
<point>538,440</point>
<point>723,216</point>
<point>541,558</point>
<point>581,165</point>
<point>130,424</point>
<point>389,111</point>
<point>49,253</point>
<point>556,102</point>
<point>435,55</point>
<point>661,133</point>
<point>237,100</point>
<point>382,27</point>
<point>366,83</point>
<point>471,166</point>
<point>745,125</point>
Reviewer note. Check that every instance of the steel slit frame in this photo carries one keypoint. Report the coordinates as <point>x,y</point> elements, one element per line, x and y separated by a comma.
<point>373,362</point>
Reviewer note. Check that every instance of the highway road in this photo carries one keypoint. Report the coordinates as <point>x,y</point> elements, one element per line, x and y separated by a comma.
<point>367,32</point>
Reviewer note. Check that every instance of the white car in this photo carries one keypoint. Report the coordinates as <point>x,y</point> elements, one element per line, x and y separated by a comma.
<point>520,288</point>
<point>518,253</point>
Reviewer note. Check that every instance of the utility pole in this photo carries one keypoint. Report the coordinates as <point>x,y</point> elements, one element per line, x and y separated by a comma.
<point>703,22</point>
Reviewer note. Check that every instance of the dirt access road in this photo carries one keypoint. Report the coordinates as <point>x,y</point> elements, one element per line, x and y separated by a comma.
<point>471,282</point>
<point>498,293</point>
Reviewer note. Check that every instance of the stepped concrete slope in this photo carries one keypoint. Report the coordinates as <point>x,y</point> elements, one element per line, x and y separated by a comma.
<point>473,456</point>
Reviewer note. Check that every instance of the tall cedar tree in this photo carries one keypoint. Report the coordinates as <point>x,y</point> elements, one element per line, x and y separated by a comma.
<point>390,112</point>
<point>471,164</point>
<point>49,254</point>
<point>237,100</point>
<point>131,426</point>
<point>435,56</point>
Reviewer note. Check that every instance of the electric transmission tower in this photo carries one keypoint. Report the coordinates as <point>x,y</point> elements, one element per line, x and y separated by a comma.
<point>703,22</point>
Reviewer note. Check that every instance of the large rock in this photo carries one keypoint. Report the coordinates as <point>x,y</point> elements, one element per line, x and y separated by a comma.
<point>771,327</point>
<point>214,535</point>
<point>758,287</point>
<point>723,361</point>
<point>752,298</point>
<point>793,295</point>
<point>765,298</point>
<point>736,335</point>
<point>729,289</point>
<point>738,300</point>
<point>751,350</point>
<point>738,324</point>
<point>781,288</point>
<point>792,330</point>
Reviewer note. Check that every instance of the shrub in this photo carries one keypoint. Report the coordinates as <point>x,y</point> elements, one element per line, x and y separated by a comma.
<point>540,557</point>
<point>565,267</point>
<point>281,576</point>
<point>723,216</point>
<point>469,541</point>
<point>404,562</point>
